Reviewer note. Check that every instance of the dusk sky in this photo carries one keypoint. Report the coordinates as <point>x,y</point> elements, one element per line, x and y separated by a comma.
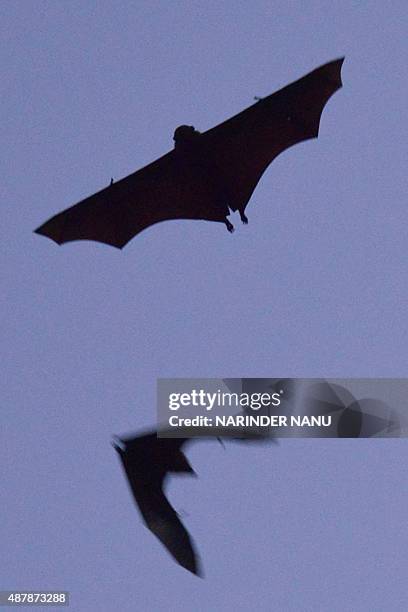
<point>315,286</point>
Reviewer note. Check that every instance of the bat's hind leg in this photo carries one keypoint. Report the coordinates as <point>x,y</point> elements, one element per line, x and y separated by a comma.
<point>229,225</point>
<point>243,216</point>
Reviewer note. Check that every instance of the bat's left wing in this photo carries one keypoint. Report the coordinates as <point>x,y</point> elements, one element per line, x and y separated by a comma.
<point>245,145</point>
<point>163,521</point>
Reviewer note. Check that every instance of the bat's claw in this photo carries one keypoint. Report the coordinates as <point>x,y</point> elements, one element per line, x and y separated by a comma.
<point>229,225</point>
<point>117,444</point>
<point>244,218</point>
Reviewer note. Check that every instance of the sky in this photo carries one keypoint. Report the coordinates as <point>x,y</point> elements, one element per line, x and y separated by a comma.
<point>315,286</point>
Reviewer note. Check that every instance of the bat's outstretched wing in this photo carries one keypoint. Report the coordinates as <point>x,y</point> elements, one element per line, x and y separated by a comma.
<point>162,520</point>
<point>229,161</point>
<point>168,188</point>
<point>245,145</point>
<point>147,460</point>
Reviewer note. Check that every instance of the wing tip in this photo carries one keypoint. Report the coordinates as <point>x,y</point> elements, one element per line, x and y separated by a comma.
<point>337,65</point>
<point>338,61</point>
<point>195,567</point>
<point>40,232</point>
<point>332,71</point>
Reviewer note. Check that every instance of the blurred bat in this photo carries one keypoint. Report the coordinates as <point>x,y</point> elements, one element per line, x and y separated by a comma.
<point>207,174</point>
<point>147,461</point>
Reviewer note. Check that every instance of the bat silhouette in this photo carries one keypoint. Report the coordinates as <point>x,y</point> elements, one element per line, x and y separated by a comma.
<point>207,174</point>
<point>147,460</point>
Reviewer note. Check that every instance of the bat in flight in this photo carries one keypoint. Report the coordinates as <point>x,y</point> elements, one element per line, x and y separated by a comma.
<point>207,174</point>
<point>147,461</point>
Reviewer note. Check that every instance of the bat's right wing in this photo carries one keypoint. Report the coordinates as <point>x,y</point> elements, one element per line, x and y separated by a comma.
<point>168,188</point>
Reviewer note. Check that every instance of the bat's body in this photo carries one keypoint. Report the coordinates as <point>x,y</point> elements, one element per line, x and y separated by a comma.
<point>207,174</point>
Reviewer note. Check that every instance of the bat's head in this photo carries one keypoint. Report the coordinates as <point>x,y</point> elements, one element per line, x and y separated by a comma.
<point>183,132</point>
<point>185,135</point>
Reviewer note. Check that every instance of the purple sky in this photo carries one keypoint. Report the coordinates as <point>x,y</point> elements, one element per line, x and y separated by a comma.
<point>316,285</point>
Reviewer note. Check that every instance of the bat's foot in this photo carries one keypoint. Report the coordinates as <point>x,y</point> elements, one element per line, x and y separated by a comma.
<point>229,225</point>
<point>244,218</point>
